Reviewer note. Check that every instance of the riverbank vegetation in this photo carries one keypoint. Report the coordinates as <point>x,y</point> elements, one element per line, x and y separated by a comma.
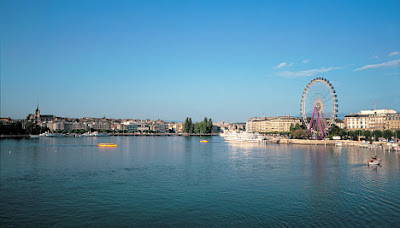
<point>203,127</point>
<point>17,128</point>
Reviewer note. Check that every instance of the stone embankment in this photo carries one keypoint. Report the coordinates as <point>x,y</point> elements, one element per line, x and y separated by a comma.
<point>345,143</point>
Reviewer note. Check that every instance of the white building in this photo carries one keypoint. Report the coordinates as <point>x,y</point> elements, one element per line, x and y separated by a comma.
<point>271,124</point>
<point>368,119</point>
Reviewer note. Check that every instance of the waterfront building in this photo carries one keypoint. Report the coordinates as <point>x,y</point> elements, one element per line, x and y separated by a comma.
<point>37,115</point>
<point>54,126</point>
<point>178,127</point>
<point>132,128</point>
<point>393,122</point>
<point>143,127</point>
<point>221,126</point>
<point>79,126</point>
<point>170,127</point>
<point>371,120</point>
<point>100,126</point>
<point>38,118</point>
<point>340,123</point>
<point>271,124</point>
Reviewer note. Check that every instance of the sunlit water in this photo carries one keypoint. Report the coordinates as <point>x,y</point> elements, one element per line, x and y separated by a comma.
<point>178,181</point>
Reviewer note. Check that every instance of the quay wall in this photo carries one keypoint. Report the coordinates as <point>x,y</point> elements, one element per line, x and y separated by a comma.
<point>345,143</point>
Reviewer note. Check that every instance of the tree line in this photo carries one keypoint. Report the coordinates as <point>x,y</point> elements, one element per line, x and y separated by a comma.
<point>299,132</point>
<point>203,127</point>
<point>17,128</point>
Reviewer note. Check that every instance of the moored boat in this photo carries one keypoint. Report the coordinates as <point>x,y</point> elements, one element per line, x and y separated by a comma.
<point>244,137</point>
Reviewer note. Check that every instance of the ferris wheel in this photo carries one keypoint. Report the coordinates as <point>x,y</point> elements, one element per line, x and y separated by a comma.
<point>319,106</point>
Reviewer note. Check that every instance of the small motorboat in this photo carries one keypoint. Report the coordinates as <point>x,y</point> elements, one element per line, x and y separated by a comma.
<point>106,145</point>
<point>204,141</point>
<point>374,161</point>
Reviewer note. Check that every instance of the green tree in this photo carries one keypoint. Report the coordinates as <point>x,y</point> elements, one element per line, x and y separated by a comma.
<point>33,129</point>
<point>387,134</point>
<point>186,125</point>
<point>353,135</point>
<point>210,126</point>
<point>367,134</point>
<point>291,127</point>
<point>397,133</point>
<point>12,129</point>
<point>197,128</point>
<point>343,133</point>
<point>190,125</point>
<point>299,134</point>
<point>377,134</point>
<point>204,126</point>
<point>334,130</point>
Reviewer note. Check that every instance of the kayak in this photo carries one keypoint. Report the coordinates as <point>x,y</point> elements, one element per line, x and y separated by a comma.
<point>204,141</point>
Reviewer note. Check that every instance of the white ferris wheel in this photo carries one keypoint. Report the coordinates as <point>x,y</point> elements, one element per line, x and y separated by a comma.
<point>319,106</point>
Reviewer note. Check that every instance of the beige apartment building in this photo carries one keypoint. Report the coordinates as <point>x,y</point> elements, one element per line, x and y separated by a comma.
<point>393,122</point>
<point>178,127</point>
<point>372,120</point>
<point>271,124</point>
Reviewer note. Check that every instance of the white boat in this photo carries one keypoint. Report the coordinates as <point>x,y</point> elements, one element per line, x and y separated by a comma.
<point>374,161</point>
<point>95,134</point>
<point>243,137</point>
<point>48,134</point>
<point>230,136</point>
<point>86,134</point>
<point>338,144</point>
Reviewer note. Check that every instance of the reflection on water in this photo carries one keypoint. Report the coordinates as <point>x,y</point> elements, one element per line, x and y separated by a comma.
<point>178,181</point>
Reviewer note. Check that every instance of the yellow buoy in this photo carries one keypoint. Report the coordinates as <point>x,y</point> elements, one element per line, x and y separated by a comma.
<point>106,145</point>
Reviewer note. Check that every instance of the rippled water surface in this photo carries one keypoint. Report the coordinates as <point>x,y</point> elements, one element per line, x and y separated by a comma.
<point>178,181</point>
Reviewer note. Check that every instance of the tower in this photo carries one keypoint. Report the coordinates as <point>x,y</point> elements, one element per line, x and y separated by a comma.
<point>37,114</point>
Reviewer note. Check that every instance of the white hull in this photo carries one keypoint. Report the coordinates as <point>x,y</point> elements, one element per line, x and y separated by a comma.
<point>374,162</point>
<point>243,137</point>
<point>51,135</point>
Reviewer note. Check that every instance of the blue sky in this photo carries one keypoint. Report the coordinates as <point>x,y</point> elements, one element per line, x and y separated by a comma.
<point>229,60</point>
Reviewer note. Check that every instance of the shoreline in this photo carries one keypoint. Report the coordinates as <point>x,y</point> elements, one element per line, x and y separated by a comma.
<point>343,143</point>
<point>24,136</point>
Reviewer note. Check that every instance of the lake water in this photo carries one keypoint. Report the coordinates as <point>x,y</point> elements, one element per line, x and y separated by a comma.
<point>178,181</point>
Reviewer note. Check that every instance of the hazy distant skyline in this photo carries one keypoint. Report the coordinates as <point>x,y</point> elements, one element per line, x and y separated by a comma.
<point>228,60</point>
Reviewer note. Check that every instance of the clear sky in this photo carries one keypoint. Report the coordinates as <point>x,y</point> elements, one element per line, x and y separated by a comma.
<point>229,60</point>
